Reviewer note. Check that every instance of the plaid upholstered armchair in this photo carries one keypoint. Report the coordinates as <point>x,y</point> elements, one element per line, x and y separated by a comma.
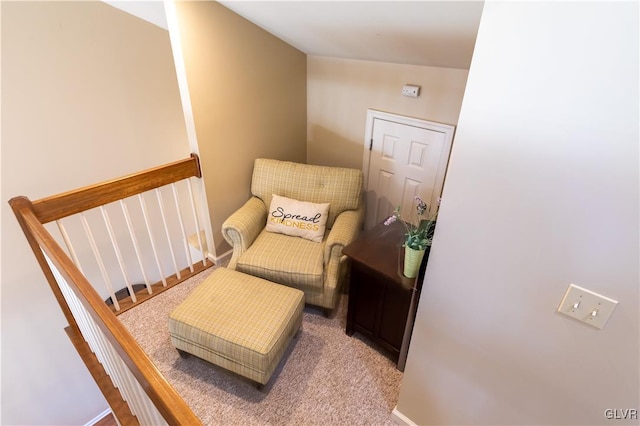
<point>294,227</point>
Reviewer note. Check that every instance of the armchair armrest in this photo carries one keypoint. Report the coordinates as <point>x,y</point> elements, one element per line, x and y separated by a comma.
<point>243,227</point>
<point>345,229</point>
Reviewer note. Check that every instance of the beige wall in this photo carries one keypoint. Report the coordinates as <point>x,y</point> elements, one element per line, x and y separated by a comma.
<point>88,93</point>
<point>339,92</point>
<point>248,94</point>
<point>542,191</point>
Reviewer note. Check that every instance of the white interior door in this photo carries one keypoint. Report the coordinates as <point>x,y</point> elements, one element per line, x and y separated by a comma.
<point>406,157</point>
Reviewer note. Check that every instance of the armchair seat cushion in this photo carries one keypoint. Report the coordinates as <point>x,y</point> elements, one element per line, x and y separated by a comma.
<point>286,260</point>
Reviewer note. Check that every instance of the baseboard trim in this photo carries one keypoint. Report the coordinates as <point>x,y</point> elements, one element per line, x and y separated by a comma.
<point>222,259</point>
<point>400,418</point>
<point>99,417</point>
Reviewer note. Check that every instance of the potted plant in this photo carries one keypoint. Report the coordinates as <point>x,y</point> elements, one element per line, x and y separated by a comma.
<point>418,236</point>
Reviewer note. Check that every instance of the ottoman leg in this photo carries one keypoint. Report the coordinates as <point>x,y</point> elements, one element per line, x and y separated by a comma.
<point>183,354</point>
<point>259,386</point>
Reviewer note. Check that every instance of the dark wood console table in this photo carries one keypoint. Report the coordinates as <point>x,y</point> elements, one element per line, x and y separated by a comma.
<point>382,301</point>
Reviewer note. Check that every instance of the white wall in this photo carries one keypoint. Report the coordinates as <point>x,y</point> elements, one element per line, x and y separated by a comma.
<point>88,93</point>
<point>542,191</point>
<point>339,92</point>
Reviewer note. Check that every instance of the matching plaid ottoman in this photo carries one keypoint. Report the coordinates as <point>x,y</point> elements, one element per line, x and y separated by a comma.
<point>239,322</point>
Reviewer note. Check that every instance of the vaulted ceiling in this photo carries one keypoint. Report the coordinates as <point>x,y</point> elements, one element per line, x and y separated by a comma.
<point>432,33</point>
<point>420,32</point>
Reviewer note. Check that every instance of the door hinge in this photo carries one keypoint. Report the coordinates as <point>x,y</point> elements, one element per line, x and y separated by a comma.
<point>370,144</point>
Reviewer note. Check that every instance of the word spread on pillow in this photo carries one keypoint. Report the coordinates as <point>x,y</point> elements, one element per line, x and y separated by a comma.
<point>297,218</point>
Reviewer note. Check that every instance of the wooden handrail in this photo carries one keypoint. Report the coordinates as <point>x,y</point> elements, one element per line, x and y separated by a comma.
<point>88,197</point>
<point>22,208</point>
<point>166,399</point>
<point>32,216</point>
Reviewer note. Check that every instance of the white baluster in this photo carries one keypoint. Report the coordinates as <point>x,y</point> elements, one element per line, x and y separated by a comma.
<point>96,254</point>
<point>182,227</point>
<point>194,210</point>
<point>134,240</point>
<point>67,241</point>
<point>143,206</point>
<point>116,249</point>
<point>166,230</point>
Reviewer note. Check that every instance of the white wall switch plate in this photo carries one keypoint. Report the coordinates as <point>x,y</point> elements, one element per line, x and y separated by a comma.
<point>586,306</point>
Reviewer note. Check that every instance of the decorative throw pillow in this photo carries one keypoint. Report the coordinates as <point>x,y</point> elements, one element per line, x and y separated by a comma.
<point>297,218</point>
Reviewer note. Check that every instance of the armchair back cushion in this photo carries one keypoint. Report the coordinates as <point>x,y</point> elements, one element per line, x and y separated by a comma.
<point>340,187</point>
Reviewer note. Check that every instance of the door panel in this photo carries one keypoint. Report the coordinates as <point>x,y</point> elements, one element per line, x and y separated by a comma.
<point>404,161</point>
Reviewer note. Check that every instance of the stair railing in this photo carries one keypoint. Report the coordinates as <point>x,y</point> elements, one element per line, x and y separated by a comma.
<point>135,390</point>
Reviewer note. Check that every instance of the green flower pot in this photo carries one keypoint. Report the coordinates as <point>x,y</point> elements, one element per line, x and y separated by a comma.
<point>412,261</point>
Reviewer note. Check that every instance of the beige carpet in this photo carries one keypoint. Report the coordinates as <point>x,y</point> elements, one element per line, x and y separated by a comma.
<point>325,378</point>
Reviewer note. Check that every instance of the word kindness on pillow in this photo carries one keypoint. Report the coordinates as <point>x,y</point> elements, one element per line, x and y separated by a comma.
<point>297,218</point>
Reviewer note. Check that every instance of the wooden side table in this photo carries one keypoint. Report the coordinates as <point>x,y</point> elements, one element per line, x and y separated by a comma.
<point>382,301</point>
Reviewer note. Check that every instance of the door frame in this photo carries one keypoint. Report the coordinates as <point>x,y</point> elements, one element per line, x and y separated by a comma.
<point>447,129</point>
